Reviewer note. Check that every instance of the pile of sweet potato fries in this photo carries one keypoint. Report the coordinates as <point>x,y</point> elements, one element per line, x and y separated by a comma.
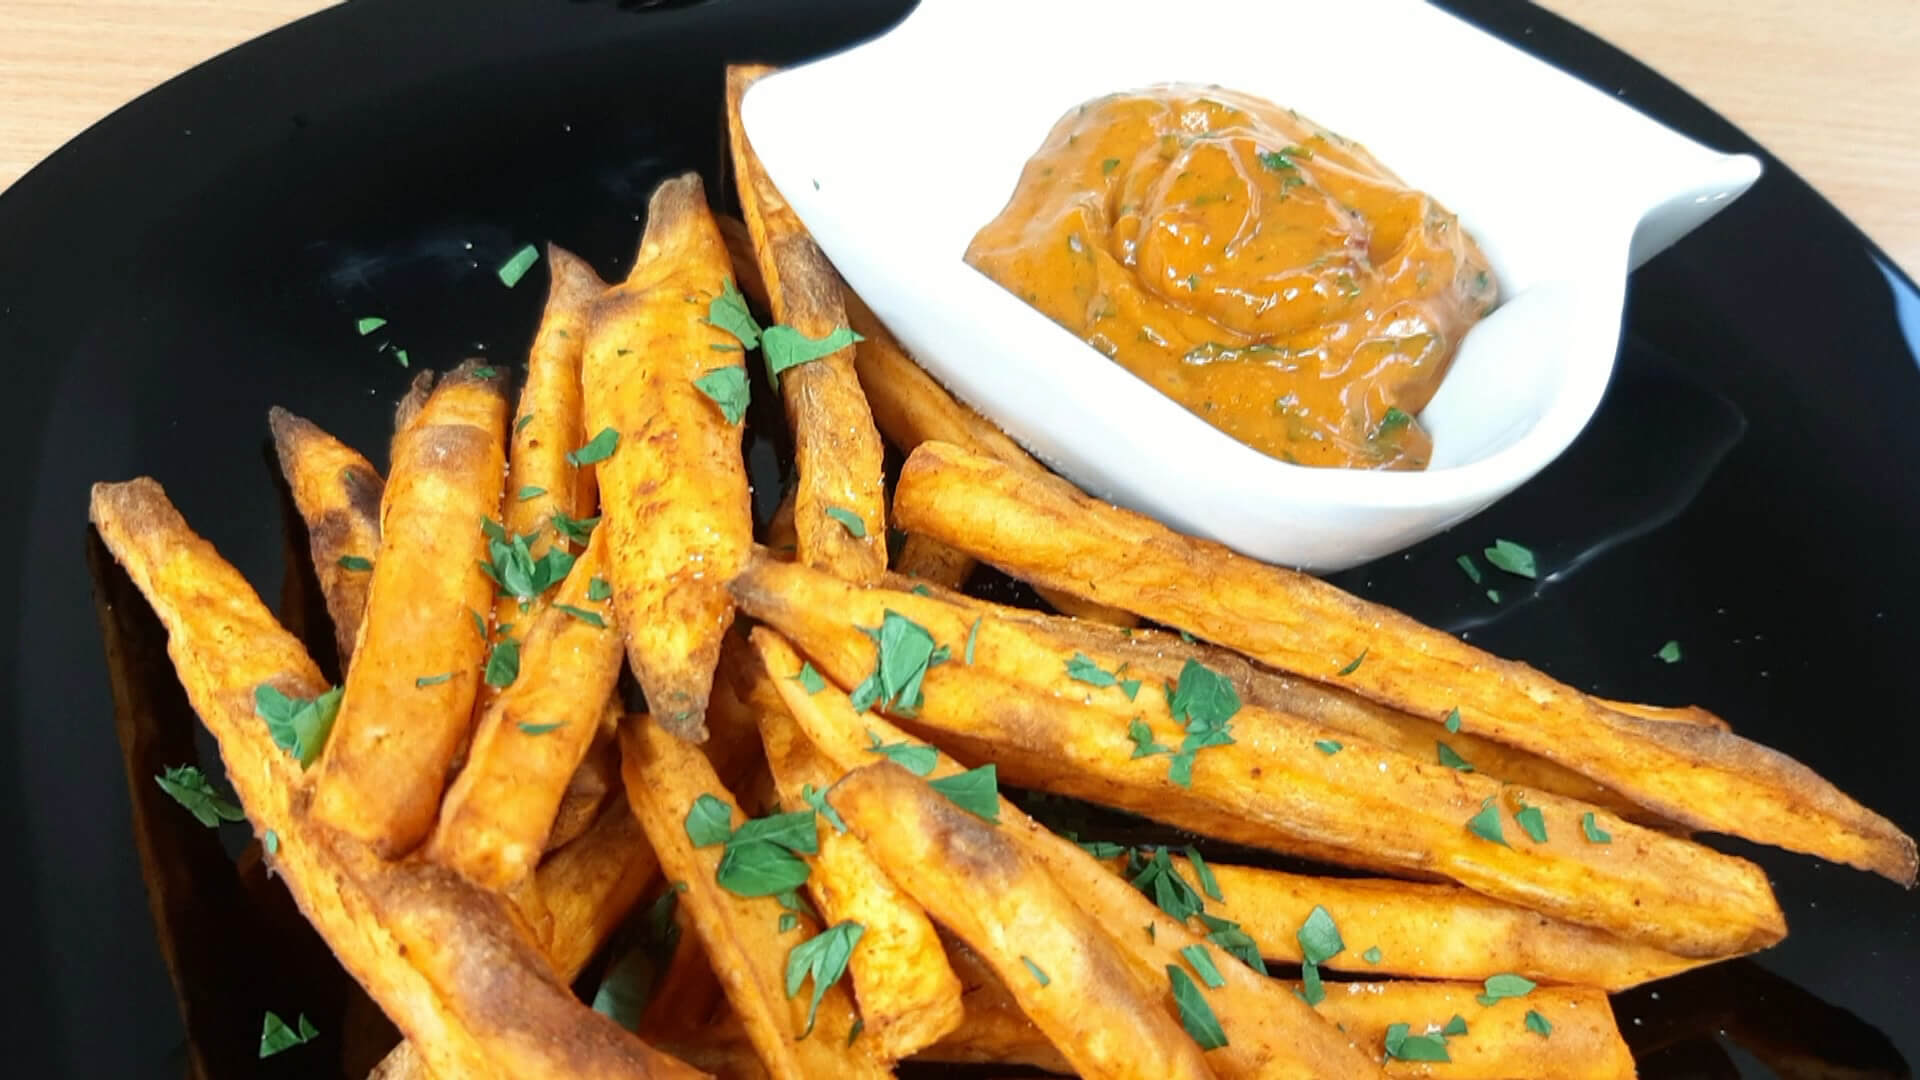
<point>813,798</point>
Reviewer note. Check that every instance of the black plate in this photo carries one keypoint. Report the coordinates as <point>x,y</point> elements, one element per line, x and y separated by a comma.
<point>202,254</point>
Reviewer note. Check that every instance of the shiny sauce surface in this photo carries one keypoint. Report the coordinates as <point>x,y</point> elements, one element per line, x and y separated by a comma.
<point>1267,274</point>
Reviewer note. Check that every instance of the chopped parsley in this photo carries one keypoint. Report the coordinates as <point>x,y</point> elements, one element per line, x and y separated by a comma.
<point>578,530</point>
<point>916,758</point>
<point>276,1036</point>
<point>1034,969</point>
<point>191,789</point>
<point>1082,669</point>
<point>905,654</point>
<point>1500,987</point>
<point>367,324</point>
<point>530,492</point>
<point>1513,558</point>
<point>355,562</point>
<point>1450,759</point>
<point>1235,942</point>
<point>818,800</point>
<point>515,268</point>
<point>1202,964</point>
<point>1469,568</point>
<point>1455,1026</point>
<point>1143,743</point>
<point>503,663</point>
<point>511,565</point>
<point>1372,955</point>
<point>1328,746</point>
<point>822,958</point>
<point>973,635</point>
<point>977,791</point>
<point>591,618</point>
<point>849,521</point>
<point>1205,701</point>
<point>1319,938</point>
<point>1392,422</point>
<point>1486,824</point>
<point>598,589</point>
<point>298,725</point>
<point>1107,166</point>
<point>271,841</point>
<point>727,388</point>
<point>432,680</point>
<point>1158,878</point>
<point>1533,821</point>
<point>1453,720</point>
<point>1354,664</point>
<point>1670,652</point>
<point>521,424</point>
<point>1208,884</point>
<point>599,448</point>
<point>728,312</point>
<point>1195,1014</point>
<point>539,729</point>
<point>784,347</point>
<point>809,679</point>
<point>709,822</point>
<point>1401,1046</point>
<point>1538,1024</point>
<point>1595,834</point>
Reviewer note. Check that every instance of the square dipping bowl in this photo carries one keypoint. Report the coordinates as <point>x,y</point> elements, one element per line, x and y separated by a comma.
<point>896,152</point>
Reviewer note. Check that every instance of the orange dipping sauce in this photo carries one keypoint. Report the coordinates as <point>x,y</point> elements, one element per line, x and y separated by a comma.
<point>1268,275</point>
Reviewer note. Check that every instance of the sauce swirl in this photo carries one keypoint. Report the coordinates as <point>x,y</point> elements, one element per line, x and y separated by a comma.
<point>1267,274</point>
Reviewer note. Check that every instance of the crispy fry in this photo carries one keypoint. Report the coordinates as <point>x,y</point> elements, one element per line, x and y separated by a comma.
<point>500,809</point>
<point>993,1030</point>
<point>550,420</point>
<point>1043,530</point>
<point>587,790</point>
<point>1426,931</point>
<point>932,562</point>
<point>911,407</point>
<point>1672,714</point>
<point>409,406</point>
<point>837,451</point>
<point>782,540</point>
<point>1585,1043</point>
<point>664,776</point>
<point>479,1003</point>
<point>338,494</point>
<point>907,994</point>
<point>381,775</point>
<point>1065,973</point>
<point>1156,656</point>
<point>1273,785</point>
<point>675,489</point>
<point>1270,1031</point>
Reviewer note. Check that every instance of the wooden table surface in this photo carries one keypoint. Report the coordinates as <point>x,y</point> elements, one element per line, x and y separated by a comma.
<point>1830,87</point>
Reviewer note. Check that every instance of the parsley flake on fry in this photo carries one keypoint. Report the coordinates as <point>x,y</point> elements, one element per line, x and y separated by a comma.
<point>191,789</point>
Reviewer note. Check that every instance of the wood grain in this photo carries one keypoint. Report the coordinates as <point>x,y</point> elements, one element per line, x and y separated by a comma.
<point>1828,86</point>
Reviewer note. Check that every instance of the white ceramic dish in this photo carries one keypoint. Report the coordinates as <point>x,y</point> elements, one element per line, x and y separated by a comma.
<point>894,153</point>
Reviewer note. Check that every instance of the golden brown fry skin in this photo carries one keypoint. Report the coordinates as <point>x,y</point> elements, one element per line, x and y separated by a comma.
<point>478,1003</point>
<point>1274,786</point>
<point>549,421</point>
<point>587,790</point>
<point>782,540</point>
<point>837,451</point>
<point>1672,714</point>
<point>994,1031</point>
<point>933,563</point>
<point>1427,931</point>
<point>1102,1017</point>
<point>1585,1043</point>
<point>664,777</point>
<point>1155,656</point>
<point>675,489</point>
<point>384,767</point>
<point>499,810</point>
<point>1270,1031</point>
<point>338,494</point>
<point>1042,530</point>
<point>907,993</point>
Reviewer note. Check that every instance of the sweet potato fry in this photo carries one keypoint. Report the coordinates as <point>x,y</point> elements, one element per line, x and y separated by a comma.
<point>338,494</point>
<point>1157,656</point>
<point>993,1030</point>
<point>1270,1031</point>
<point>837,451</point>
<point>499,810</point>
<point>398,729</point>
<point>1672,714</point>
<point>686,995</point>
<point>550,421</point>
<point>1065,973</point>
<point>1041,529</point>
<point>1427,931</point>
<point>675,487</point>
<point>1274,784</point>
<point>588,788</point>
<point>1584,1041</point>
<point>664,777</point>
<point>907,994</point>
<point>911,407</point>
<point>479,1003</point>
